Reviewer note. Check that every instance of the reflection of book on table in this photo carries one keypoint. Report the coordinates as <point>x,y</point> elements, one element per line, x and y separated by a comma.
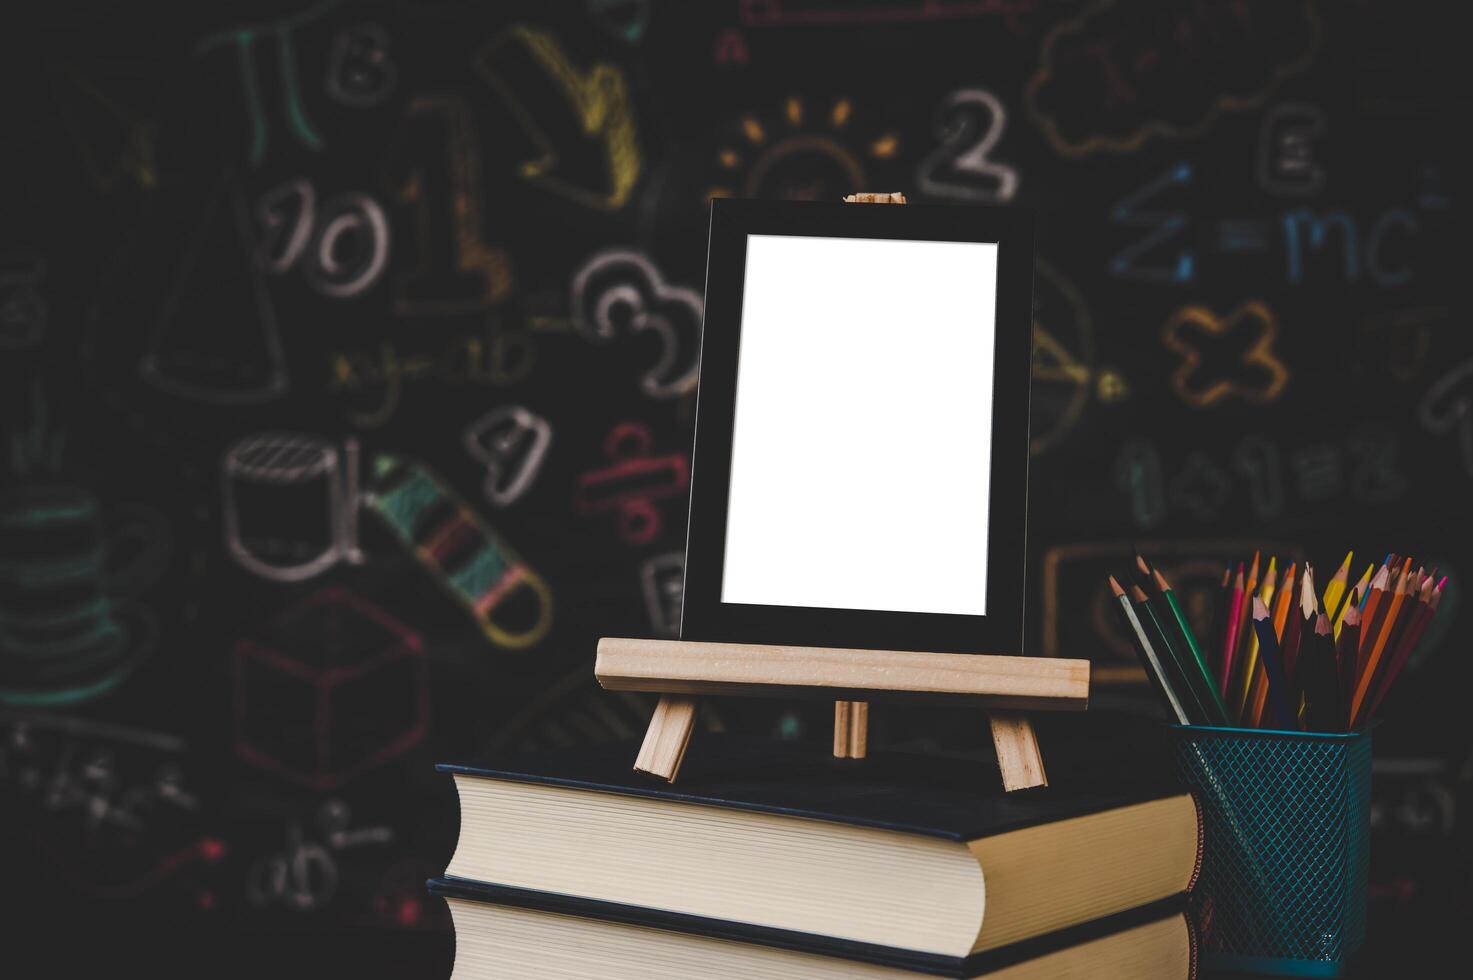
<point>904,860</point>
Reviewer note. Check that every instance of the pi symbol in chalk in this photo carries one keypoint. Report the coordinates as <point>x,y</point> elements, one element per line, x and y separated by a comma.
<point>632,482</point>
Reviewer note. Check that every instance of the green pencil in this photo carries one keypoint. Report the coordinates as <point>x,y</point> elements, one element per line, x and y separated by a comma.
<point>1214,700</point>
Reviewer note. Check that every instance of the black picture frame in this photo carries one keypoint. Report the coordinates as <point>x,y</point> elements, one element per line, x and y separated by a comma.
<point>705,617</point>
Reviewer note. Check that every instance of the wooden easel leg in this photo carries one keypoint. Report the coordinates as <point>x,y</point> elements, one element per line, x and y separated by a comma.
<point>851,729</point>
<point>666,738</point>
<point>1017,751</point>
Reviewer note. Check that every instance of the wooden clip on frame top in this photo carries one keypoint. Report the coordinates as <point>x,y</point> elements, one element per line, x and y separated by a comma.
<point>1007,685</point>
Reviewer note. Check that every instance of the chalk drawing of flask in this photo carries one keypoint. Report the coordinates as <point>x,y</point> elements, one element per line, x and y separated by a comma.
<point>215,339</point>
<point>291,505</point>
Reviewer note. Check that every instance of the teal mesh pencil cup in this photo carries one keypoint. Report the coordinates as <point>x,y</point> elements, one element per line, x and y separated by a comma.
<point>1286,847</point>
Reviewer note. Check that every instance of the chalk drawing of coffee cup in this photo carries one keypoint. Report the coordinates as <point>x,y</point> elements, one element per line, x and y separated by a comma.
<point>69,572</point>
<point>291,505</point>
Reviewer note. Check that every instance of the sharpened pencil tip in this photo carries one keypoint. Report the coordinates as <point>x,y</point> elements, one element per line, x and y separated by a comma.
<point>1260,608</point>
<point>1141,564</point>
<point>1137,593</point>
<point>1115,587</point>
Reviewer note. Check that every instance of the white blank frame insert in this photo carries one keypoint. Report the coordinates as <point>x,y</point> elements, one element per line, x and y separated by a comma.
<point>862,440</point>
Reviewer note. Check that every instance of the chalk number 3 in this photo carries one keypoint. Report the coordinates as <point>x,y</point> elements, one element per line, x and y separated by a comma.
<point>969,124</point>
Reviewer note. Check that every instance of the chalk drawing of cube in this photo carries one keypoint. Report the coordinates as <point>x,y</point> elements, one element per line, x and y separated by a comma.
<point>328,690</point>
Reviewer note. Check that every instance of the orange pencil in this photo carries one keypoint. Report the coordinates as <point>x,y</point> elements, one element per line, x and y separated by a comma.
<point>1393,605</point>
<point>1425,609</point>
<point>1368,620</point>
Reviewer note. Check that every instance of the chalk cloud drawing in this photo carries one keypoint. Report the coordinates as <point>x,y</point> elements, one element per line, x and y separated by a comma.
<point>1113,77</point>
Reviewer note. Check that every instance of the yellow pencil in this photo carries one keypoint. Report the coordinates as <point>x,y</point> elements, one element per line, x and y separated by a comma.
<point>1249,667</point>
<point>1335,590</point>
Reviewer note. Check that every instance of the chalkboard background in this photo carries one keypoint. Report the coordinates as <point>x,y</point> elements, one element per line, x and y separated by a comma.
<point>280,283</point>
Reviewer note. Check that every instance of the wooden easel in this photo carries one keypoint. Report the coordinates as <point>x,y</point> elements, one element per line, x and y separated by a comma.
<point>679,670</point>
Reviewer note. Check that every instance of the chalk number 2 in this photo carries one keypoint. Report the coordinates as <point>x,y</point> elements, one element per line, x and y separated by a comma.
<point>969,124</point>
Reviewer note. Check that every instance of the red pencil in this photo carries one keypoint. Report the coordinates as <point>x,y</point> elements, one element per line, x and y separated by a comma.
<point>1230,637</point>
<point>1405,647</point>
<point>1369,624</point>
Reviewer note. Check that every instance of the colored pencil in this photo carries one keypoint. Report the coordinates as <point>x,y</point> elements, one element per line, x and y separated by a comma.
<point>1335,588</point>
<point>1284,597</point>
<point>1404,649</point>
<point>1196,669</point>
<point>1369,622</point>
<point>1324,710</point>
<point>1278,703</point>
<point>1347,642</point>
<point>1292,639</point>
<point>1245,631</point>
<point>1387,623</point>
<point>1361,587</point>
<point>1171,659</point>
<point>1307,609</point>
<point>1248,664</point>
<point>1150,660</point>
<point>1230,632</point>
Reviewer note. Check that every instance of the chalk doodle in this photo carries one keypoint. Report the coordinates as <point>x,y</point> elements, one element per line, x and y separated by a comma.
<point>110,110</point>
<point>1128,73</point>
<point>729,48</point>
<point>1063,359</point>
<point>1317,470</point>
<point>1164,226</point>
<point>1074,579</point>
<point>345,242</point>
<point>332,688</point>
<point>1258,459</point>
<point>218,345</point>
<point>455,270</point>
<point>1302,227</point>
<point>1398,342</point>
<point>626,20</point>
<point>1448,407</point>
<point>113,777</point>
<point>490,356</point>
<point>290,505</point>
<point>662,583</point>
<point>106,805</point>
<point>1287,138</point>
<point>303,876</point>
<point>360,72</point>
<point>621,291</point>
<point>1413,796</point>
<point>1137,472</point>
<point>510,602</point>
<point>242,42</point>
<point>1363,465</point>
<point>524,59</point>
<point>778,13</point>
<point>1200,487</point>
<point>1256,374</point>
<point>70,572</point>
<point>512,443</point>
<point>802,155</point>
<point>632,482</point>
<point>24,312</point>
<point>1374,475</point>
<point>969,124</point>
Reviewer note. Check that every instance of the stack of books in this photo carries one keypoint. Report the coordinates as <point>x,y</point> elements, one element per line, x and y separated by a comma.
<point>773,860</point>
